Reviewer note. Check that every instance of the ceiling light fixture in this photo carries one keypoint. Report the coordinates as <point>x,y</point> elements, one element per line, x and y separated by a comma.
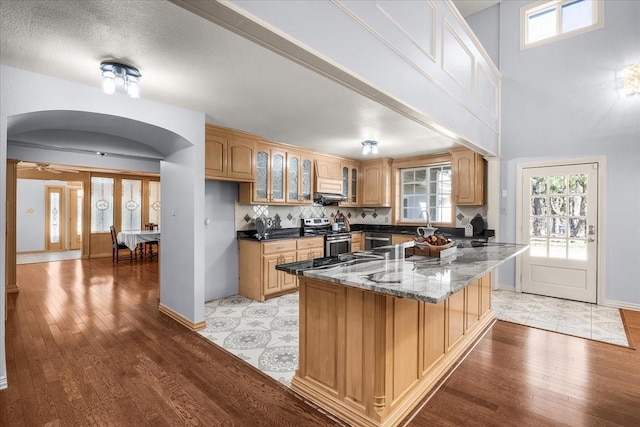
<point>117,77</point>
<point>369,147</point>
<point>632,79</point>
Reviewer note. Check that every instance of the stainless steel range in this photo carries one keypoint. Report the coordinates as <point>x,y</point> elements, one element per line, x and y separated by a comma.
<point>336,242</point>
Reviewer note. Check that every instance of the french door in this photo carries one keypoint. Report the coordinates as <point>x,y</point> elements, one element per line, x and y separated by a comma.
<point>559,215</point>
<point>55,219</point>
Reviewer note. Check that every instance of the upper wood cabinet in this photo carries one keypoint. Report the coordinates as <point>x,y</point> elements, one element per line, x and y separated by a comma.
<point>328,175</point>
<point>376,182</point>
<point>269,186</point>
<point>229,155</point>
<point>299,177</point>
<point>351,183</point>
<point>467,169</point>
<point>282,176</point>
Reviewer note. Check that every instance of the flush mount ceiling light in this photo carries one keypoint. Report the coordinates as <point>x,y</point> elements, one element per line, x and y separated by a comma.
<point>369,147</point>
<point>632,79</point>
<point>117,77</point>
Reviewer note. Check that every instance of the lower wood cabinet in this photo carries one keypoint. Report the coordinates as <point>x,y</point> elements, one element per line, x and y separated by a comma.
<point>258,278</point>
<point>357,244</point>
<point>370,358</point>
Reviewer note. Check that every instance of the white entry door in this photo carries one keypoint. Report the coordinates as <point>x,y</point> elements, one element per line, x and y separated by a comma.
<point>560,223</point>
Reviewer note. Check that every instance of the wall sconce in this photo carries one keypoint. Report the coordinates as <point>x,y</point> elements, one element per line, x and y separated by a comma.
<point>369,147</point>
<point>631,76</point>
<point>121,78</point>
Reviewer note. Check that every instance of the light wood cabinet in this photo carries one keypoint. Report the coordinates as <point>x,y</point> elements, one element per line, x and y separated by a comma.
<point>229,155</point>
<point>299,175</point>
<point>357,242</point>
<point>467,169</point>
<point>350,183</point>
<point>282,177</point>
<point>269,185</point>
<point>370,358</point>
<point>258,277</point>
<point>376,183</point>
<point>396,239</point>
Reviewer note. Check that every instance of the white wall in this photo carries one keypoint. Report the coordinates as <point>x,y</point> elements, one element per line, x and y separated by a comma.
<point>221,245</point>
<point>560,101</point>
<point>30,208</point>
<point>182,175</point>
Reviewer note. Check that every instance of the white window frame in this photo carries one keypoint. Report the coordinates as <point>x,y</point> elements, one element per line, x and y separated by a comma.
<point>539,6</point>
<point>402,219</point>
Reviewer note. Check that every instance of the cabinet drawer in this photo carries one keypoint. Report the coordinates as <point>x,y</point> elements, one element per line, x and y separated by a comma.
<point>279,246</point>
<point>310,242</point>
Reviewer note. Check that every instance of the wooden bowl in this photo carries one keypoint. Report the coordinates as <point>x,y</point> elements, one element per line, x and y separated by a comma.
<point>430,246</point>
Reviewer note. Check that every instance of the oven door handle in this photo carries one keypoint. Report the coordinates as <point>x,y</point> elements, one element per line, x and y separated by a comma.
<point>383,239</point>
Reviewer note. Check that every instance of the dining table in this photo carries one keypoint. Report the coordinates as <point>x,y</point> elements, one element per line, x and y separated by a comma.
<point>136,238</point>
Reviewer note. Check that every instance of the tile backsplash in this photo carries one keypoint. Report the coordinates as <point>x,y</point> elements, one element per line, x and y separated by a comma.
<point>464,214</point>
<point>290,215</point>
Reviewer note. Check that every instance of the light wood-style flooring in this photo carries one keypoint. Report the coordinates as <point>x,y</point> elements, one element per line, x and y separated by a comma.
<point>86,345</point>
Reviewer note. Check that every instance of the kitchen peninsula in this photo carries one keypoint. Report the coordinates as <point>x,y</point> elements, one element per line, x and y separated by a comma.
<point>379,329</point>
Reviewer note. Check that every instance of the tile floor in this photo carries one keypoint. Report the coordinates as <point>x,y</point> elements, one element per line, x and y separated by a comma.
<point>34,257</point>
<point>568,317</point>
<point>265,334</point>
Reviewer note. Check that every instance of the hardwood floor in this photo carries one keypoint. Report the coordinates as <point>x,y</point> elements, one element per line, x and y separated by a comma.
<point>86,345</point>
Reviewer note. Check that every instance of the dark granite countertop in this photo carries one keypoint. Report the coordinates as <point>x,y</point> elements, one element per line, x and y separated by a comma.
<point>421,278</point>
<point>295,232</point>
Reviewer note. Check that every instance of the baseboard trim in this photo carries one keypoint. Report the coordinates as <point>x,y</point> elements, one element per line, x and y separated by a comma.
<point>502,287</point>
<point>621,304</point>
<point>13,288</point>
<point>181,319</point>
<point>3,382</point>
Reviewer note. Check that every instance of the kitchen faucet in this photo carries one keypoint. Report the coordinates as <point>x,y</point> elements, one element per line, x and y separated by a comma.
<point>426,213</point>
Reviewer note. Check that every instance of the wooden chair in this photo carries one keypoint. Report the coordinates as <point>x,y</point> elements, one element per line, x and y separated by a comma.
<point>116,246</point>
<point>150,245</point>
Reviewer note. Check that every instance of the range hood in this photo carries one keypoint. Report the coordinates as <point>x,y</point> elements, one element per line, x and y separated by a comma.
<point>328,198</point>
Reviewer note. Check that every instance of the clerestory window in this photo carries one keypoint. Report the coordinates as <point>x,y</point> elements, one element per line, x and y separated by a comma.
<point>547,21</point>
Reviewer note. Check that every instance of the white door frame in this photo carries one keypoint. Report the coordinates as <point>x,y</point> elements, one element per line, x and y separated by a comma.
<point>602,174</point>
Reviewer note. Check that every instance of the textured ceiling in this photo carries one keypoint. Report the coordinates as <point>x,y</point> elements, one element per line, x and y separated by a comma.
<point>189,62</point>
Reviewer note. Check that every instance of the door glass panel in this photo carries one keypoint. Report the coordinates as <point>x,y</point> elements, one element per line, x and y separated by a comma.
<point>154,202</point>
<point>306,179</point>
<point>538,206</point>
<point>578,227</point>
<point>292,173</point>
<point>538,227</point>
<point>345,181</point>
<point>101,204</point>
<point>557,226</point>
<point>54,217</point>
<point>278,177</point>
<point>577,184</point>
<point>557,248</point>
<point>538,185</point>
<point>261,174</point>
<point>79,205</point>
<point>354,185</point>
<point>538,248</point>
<point>578,250</point>
<point>558,205</point>
<point>131,204</point>
<point>578,205</point>
<point>558,184</point>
